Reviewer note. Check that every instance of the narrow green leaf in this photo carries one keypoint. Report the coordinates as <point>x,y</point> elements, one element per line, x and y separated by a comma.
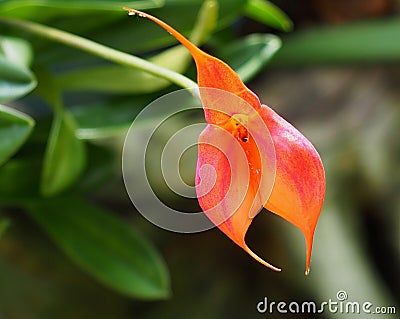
<point>249,55</point>
<point>120,79</point>
<point>360,42</point>
<point>15,80</point>
<point>65,156</point>
<point>16,50</point>
<point>266,12</point>
<point>207,19</point>
<point>107,248</point>
<point>15,128</point>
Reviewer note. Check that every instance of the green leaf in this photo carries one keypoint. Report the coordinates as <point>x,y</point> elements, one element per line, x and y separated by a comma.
<point>266,12</point>
<point>15,80</point>
<point>42,267</point>
<point>102,166</point>
<point>15,128</point>
<point>109,118</point>
<point>249,55</point>
<point>27,9</point>
<point>361,42</point>
<point>106,247</point>
<point>19,180</point>
<point>16,50</point>
<point>88,18</point>
<point>4,224</point>
<point>20,175</point>
<point>65,156</point>
<point>120,79</point>
<point>136,36</point>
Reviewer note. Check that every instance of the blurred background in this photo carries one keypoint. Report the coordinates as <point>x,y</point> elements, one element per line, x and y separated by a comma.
<point>72,244</point>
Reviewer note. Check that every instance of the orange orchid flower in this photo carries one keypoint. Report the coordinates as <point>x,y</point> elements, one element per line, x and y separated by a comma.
<point>298,187</point>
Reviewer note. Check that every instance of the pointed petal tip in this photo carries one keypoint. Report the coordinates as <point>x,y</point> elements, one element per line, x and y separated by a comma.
<point>259,259</point>
<point>194,50</point>
<point>309,245</point>
<point>133,12</point>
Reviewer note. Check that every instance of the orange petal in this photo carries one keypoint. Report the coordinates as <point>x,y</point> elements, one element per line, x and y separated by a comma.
<point>227,183</point>
<point>299,188</point>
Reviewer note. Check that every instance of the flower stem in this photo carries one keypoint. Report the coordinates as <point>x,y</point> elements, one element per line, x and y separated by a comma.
<point>101,51</point>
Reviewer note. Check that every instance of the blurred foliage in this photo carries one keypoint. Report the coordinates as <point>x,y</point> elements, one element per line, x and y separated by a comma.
<point>70,245</point>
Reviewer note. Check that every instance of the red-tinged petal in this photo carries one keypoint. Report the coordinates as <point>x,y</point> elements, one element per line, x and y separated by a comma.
<point>299,188</point>
<point>228,179</point>
<point>211,73</point>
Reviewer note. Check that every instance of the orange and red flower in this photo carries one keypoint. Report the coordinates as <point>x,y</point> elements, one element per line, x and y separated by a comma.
<point>298,188</point>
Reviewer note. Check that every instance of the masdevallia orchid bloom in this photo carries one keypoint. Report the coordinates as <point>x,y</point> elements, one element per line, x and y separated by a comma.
<point>242,141</point>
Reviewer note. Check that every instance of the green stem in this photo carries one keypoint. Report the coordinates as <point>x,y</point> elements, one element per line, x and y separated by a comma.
<point>101,51</point>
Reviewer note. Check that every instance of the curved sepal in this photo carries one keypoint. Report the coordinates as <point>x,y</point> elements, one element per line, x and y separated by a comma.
<point>299,189</point>
<point>228,182</point>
